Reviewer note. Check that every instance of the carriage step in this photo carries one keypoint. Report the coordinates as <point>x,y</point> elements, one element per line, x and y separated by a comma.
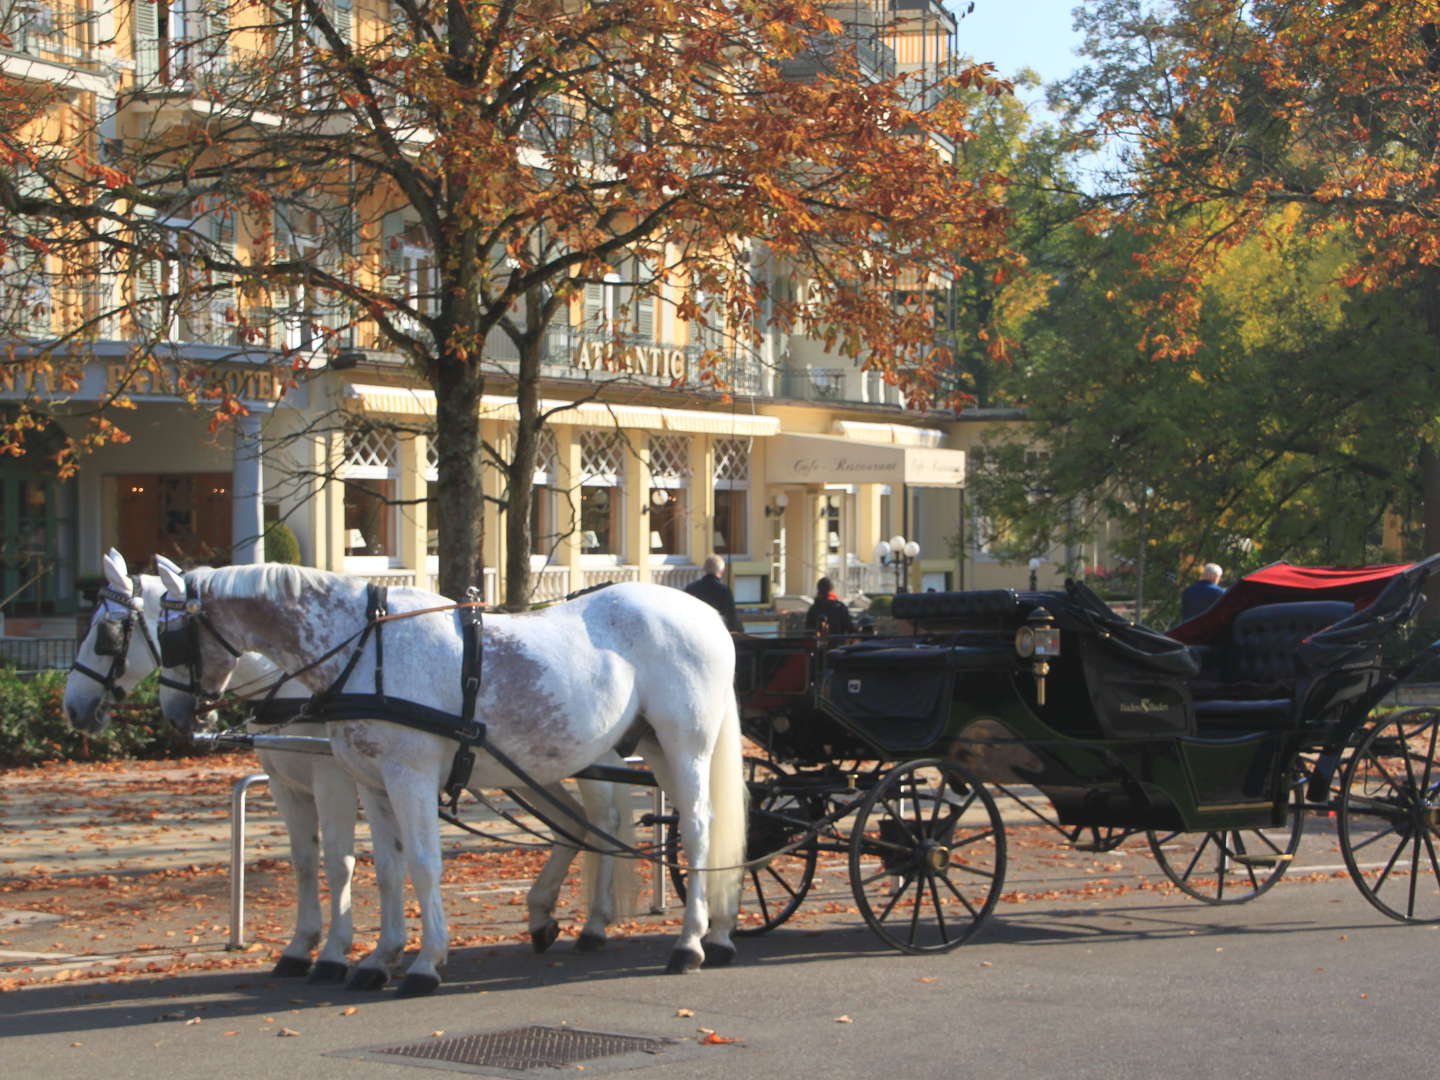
<point>1268,859</point>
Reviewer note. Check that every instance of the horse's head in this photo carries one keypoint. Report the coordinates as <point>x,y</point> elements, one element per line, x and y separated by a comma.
<point>118,650</point>
<point>196,658</point>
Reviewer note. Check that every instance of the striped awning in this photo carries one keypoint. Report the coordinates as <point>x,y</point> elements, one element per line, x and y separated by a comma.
<point>900,434</point>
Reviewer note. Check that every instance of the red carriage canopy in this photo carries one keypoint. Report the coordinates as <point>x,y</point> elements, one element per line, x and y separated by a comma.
<point>1279,583</point>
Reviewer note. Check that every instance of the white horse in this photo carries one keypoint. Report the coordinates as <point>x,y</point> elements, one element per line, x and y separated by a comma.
<point>560,688</point>
<point>317,798</point>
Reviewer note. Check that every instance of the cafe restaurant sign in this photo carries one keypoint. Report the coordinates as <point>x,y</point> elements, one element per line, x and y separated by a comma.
<point>825,459</point>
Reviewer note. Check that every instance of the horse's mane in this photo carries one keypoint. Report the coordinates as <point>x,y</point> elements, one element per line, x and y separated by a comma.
<point>277,579</point>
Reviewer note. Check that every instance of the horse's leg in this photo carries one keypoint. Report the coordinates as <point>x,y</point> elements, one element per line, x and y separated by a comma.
<point>298,811</point>
<point>545,892</point>
<point>727,826</point>
<point>611,881</point>
<point>684,780</point>
<point>700,740</point>
<point>335,799</point>
<point>413,794</point>
<point>373,971</point>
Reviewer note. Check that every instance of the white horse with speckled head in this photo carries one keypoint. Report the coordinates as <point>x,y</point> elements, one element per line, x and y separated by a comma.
<point>316,796</point>
<point>561,688</point>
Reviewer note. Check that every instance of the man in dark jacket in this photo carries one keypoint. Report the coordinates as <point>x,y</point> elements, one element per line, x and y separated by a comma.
<point>1198,598</point>
<point>716,593</point>
<point>828,611</point>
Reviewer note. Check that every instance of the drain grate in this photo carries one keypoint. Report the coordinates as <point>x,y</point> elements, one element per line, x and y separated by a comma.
<point>522,1051</point>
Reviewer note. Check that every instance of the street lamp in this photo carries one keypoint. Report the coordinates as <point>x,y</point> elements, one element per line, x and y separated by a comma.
<point>899,553</point>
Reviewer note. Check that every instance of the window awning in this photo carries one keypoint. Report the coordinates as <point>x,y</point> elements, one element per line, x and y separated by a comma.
<point>406,401</point>
<point>826,459</point>
<point>903,434</point>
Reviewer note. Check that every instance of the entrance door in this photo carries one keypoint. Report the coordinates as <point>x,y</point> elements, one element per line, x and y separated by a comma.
<point>185,516</point>
<point>31,526</point>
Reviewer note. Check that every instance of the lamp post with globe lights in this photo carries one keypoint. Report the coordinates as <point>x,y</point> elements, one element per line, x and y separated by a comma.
<point>899,553</point>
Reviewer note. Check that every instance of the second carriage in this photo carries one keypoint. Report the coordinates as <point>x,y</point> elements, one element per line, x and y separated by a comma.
<point>1213,742</point>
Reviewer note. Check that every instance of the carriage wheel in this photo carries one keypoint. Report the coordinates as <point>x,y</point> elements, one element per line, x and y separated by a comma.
<point>1389,817</point>
<point>1231,866</point>
<point>773,890</point>
<point>927,856</point>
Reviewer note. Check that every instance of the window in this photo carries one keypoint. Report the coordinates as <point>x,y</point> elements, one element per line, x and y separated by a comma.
<point>544,529</point>
<point>432,487</point>
<point>602,472</point>
<point>669,481</point>
<point>732,496</point>
<point>623,302</point>
<point>180,41</point>
<point>371,476</point>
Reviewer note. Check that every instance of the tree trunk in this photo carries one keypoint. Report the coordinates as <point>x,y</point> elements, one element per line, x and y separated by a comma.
<point>460,504</point>
<point>518,538</point>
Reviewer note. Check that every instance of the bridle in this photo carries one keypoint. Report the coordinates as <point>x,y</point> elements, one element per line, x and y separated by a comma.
<point>113,633</point>
<point>180,625</point>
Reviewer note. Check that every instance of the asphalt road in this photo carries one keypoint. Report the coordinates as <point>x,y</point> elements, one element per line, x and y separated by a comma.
<point>1305,981</point>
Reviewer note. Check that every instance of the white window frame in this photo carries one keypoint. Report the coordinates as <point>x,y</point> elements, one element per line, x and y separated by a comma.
<point>363,564</point>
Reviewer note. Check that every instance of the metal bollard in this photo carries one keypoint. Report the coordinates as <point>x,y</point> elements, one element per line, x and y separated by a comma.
<point>662,872</point>
<point>237,857</point>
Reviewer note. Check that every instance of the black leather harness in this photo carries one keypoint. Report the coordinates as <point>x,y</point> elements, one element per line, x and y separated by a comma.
<point>337,703</point>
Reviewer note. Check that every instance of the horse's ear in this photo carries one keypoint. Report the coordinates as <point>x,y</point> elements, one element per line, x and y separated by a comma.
<point>163,563</point>
<point>116,572</point>
<point>173,579</point>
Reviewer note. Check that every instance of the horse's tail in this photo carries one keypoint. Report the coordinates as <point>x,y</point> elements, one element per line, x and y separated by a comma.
<point>729,799</point>
<point>619,822</point>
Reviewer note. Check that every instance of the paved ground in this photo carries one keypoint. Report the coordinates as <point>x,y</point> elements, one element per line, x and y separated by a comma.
<point>113,892</point>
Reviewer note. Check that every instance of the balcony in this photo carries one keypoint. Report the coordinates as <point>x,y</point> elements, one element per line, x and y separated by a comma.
<point>850,386</point>
<point>826,55</point>
<point>51,43</point>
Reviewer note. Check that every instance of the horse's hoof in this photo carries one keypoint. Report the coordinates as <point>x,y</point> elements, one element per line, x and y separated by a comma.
<point>291,967</point>
<point>543,938</point>
<point>418,985</point>
<point>684,961</point>
<point>717,955</point>
<point>588,942</point>
<point>327,971</point>
<point>367,979</point>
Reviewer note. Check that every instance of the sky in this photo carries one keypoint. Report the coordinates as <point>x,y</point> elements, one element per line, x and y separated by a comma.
<point>1015,34</point>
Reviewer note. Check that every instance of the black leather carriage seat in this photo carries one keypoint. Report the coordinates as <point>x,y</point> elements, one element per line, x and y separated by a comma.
<point>1250,681</point>
<point>984,606</point>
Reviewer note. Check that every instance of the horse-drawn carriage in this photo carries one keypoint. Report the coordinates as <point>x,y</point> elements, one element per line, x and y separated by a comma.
<point>1214,742</point>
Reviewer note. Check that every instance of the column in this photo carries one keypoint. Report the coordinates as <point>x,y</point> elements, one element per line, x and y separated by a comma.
<point>247,506</point>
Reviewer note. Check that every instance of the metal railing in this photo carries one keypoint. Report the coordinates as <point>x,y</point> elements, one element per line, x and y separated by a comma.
<point>814,384</point>
<point>59,32</point>
<point>37,654</point>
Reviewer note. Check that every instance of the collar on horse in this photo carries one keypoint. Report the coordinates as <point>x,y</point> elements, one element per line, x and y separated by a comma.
<point>113,634</point>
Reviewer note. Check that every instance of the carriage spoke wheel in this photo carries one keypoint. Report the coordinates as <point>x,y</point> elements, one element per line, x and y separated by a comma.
<point>927,856</point>
<point>774,888</point>
<point>1389,818</point>
<point>1231,866</point>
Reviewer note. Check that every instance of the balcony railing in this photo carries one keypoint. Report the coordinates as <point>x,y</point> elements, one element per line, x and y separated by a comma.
<point>59,32</point>
<point>814,384</point>
<point>824,55</point>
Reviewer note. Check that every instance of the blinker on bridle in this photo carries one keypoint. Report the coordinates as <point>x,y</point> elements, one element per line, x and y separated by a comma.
<point>112,638</point>
<point>180,623</point>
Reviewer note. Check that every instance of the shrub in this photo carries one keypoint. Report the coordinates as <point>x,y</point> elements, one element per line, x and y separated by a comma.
<point>34,728</point>
<point>281,545</point>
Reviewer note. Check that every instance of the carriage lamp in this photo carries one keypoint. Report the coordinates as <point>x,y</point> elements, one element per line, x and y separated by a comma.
<point>1038,642</point>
